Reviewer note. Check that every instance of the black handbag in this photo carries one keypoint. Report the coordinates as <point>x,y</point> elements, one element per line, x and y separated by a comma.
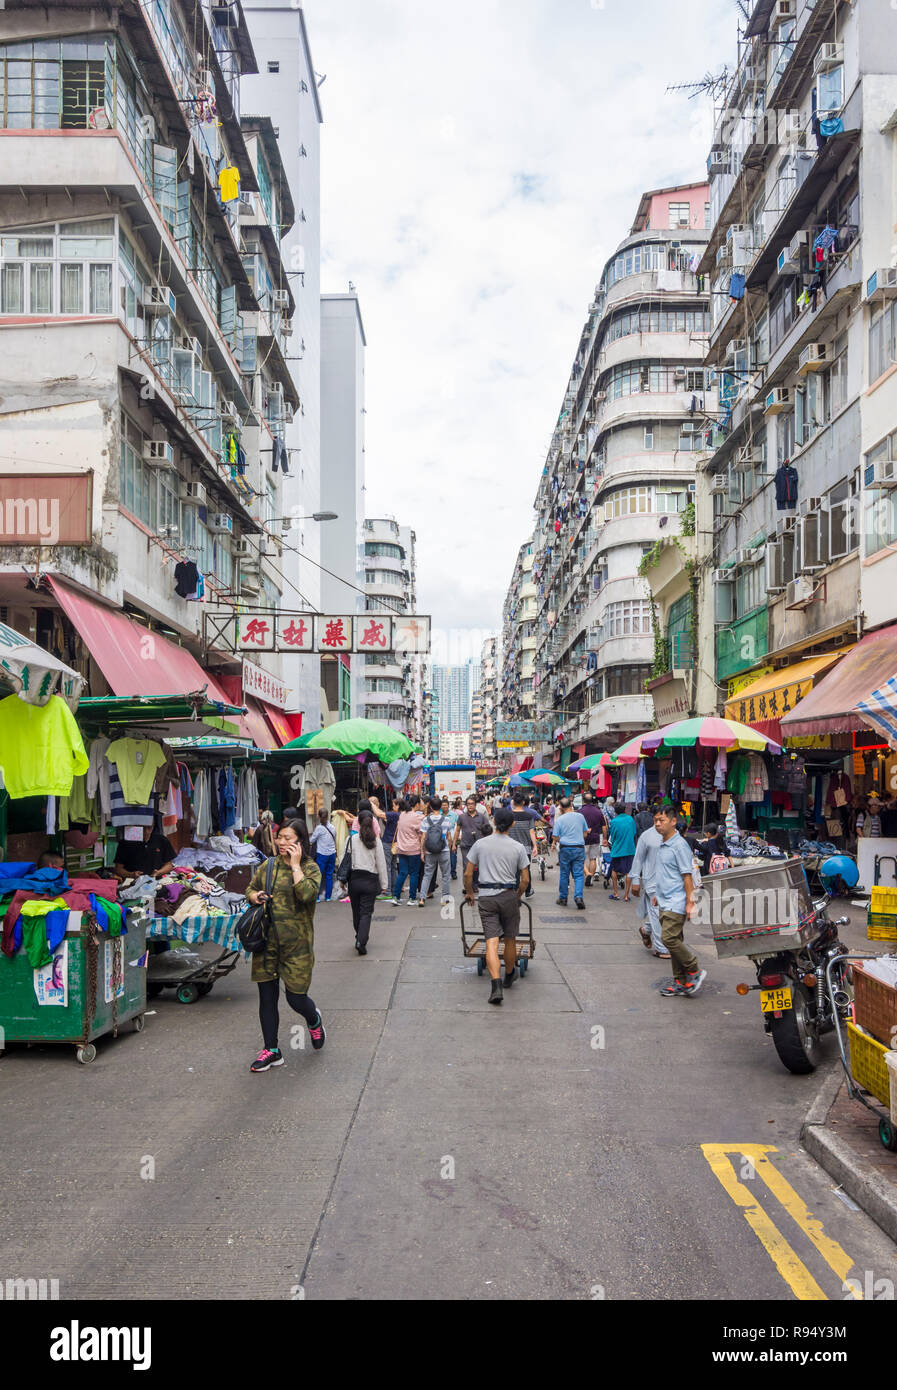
<point>345,867</point>
<point>252,928</point>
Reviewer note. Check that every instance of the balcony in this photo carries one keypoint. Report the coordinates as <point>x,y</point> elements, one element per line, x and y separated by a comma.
<point>812,19</point>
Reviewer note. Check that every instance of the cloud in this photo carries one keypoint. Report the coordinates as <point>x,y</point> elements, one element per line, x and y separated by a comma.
<point>480,162</point>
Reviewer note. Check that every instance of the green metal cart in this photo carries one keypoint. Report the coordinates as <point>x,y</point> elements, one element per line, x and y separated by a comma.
<point>93,986</point>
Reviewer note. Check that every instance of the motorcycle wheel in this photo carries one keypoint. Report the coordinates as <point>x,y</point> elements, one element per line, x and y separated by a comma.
<point>796,1040</point>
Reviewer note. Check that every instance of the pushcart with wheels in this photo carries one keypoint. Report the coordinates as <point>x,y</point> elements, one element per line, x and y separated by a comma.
<point>188,973</point>
<point>864,1065</point>
<point>473,939</point>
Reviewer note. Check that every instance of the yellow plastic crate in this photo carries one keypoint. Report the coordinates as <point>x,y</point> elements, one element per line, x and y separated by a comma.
<point>881,926</point>
<point>867,1064</point>
<point>884,899</point>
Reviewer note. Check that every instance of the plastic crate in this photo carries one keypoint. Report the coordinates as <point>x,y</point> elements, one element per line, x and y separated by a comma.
<point>868,1066</point>
<point>884,900</point>
<point>881,926</point>
<point>875,1006</point>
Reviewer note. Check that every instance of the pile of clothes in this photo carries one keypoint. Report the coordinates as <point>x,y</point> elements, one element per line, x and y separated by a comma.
<point>35,905</point>
<point>754,848</point>
<point>181,893</point>
<point>807,848</point>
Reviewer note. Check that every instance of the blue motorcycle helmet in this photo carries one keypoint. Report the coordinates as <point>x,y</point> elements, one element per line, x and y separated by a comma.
<point>840,866</point>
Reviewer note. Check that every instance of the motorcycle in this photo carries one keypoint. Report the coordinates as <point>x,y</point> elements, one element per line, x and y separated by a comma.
<point>798,1008</point>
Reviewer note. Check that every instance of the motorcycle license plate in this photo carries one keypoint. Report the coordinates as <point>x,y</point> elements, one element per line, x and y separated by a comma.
<point>775,1001</point>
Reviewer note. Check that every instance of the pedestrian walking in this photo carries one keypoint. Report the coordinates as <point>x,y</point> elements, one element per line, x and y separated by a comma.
<point>389,844</point>
<point>644,887</point>
<point>644,819</point>
<point>263,835</point>
<point>523,829</point>
<point>621,836</point>
<point>594,818</point>
<point>473,824</point>
<point>407,840</point>
<point>435,853</point>
<point>366,876</point>
<point>453,815</point>
<point>502,865</point>
<point>289,952</point>
<point>674,899</point>
<point>323,843</point>
<point>569,834</point>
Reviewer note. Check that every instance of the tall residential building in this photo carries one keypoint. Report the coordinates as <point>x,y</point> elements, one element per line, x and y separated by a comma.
<point>286,88</point>
<point>342,491</point>
<point>489,696</point>
<point>431,725</point>
<point>519,639</point>
<point>393,681</point>
<point>454,746</point>
<point>620,477</point>
<point>476,725</point>
<point>455,686</point>
<point>798,515</point>
<point>145,312</point>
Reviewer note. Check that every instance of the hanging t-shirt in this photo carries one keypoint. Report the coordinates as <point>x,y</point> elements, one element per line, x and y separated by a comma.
<point>229,183</point>
<point>40,746</point>
<point>137,760</point>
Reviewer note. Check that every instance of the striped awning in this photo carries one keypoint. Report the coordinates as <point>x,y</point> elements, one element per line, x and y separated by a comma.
<point>880,710</point>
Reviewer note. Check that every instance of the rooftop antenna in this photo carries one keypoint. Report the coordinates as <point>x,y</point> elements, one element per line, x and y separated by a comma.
<point>715,84</point>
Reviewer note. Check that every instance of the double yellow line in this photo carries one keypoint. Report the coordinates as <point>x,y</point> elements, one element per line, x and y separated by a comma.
<point>790,1266</point>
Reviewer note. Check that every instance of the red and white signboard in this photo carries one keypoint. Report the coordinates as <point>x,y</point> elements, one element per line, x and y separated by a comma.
<point>295,633</point>
<point>263,685</point>
<point>333,634</point>
<point>411,635</point>
<point>255,633</point>
<point>373,634</point>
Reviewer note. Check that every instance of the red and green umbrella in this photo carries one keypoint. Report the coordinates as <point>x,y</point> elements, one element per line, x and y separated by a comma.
<point>708,732</point>
<point>631,751</point>
<point>544,778</point>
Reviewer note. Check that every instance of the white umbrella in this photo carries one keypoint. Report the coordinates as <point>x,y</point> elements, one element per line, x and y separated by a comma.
<point>34,674</point>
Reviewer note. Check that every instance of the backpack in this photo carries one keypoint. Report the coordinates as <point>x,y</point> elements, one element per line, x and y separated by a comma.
<point>434,840</point>
<point>717,863</point>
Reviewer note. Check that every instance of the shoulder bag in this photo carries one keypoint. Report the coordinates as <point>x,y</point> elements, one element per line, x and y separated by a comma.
<point>253,926</point>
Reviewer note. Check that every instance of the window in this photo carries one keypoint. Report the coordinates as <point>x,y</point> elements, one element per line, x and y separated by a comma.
<point>883,340</point>
<point>693,321</point>
<point>649,436</point>
<point>690,440</point>
<point>65,268</point>
<point>750,589</point>
<point>384,548</point>
<point>837,376</point>
<point>694,380</point>
<point>53,84</point>
<point>628,501</point>
<point>138,483</point>
<point>631,618</point>
<point>829,92</point>
<point>706,215</point>
<point>785,436</point>
<point>274,67</point>
<point>671,499</point>
<point>782,311</point>
<point>780,51</point>
<point>639,378</point>
<point>264,182</point>
<point>680,214</point>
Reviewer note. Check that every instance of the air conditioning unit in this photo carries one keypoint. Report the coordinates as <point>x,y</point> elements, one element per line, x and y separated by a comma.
<point>245,205</point>
<point>241,549</point>
<point>193,492</point>
<point>786,525</point>
<point>723,577</point>
<point>800,592</point>
<point>680,374</point>
<point>881,285</point>
<point>158,299</point>
<point>221,523</point>
<point>735,230</point>
<point>719,486</point>
<point>745,556</point>
<point>600,396</point>
<point>158,453</point>
<point>881,474</point>
<point>193,345</point>
<point>286,329</point>
<point>230,412</point>
<point>203,79</point>
<point>250,581</point>
<point>280,299</point>
<point>830,55</point>
<point>808,506</point>
<point>777,400</point>
<point>718,162</point>
<point>811,358</point>
<point>784,9</point>
<point>276,389</point>
<point>724,254</point>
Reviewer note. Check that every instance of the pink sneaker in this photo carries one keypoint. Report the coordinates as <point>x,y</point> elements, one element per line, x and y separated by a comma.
<point>317,1034</point>
<point>268,1057</point>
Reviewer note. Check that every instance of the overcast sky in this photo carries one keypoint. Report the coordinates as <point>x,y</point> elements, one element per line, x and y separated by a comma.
<point>480,162</point>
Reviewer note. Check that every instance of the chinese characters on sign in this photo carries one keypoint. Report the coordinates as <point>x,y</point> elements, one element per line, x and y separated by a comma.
<point>317,632</point>
<point>264,685</point>
<point>521,732</point>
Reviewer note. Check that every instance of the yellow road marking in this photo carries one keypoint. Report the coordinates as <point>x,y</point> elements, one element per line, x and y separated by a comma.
<point>789,1265</point>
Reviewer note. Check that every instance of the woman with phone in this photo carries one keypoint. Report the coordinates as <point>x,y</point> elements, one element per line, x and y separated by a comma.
<point>289,951</point>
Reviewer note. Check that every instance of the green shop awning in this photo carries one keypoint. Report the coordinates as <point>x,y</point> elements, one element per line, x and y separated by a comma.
<point>174,716</point>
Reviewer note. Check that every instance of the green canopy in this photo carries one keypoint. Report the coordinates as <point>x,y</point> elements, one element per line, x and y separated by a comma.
<point>349,737</point>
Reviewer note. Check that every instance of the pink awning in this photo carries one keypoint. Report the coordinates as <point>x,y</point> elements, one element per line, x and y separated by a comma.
<point>133,660</point>
<point>831,706</point>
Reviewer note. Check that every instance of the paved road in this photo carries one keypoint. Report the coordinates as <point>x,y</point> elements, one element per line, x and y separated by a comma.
<point>587,1139</point>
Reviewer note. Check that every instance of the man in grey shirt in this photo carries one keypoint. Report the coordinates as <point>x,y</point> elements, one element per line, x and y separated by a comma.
<point>503,868</point>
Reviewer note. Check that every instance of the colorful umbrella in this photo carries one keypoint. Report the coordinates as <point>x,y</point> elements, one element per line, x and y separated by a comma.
<point>35,674</point>
<point>709,732</point>
<point>588,764</point>
<point>631,751</point>
<point>544,779</point>
<point>350,737</point>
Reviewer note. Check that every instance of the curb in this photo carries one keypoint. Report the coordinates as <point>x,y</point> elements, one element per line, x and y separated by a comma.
<point>876,1197</point>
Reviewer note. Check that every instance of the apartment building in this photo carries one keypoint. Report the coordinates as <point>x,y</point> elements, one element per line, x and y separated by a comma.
<point>455,686</point>
<point>430,708</point>
<point>476,725</point>
<point>618,480</point>
<point>144,313</point>
<point>796,514</point>
<point>393,681</point>
<point>455,746</point>
<point>487,696</point>
<point>519,673</point>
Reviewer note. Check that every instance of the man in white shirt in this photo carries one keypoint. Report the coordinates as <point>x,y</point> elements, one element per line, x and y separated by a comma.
<point>644,870</point>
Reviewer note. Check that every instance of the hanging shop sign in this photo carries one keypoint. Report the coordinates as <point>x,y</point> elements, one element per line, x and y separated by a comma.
<point>671,701</point>
<point>520,733</point>
<point>280,631</point>
<point>46,509</point>
<point>261,683</point>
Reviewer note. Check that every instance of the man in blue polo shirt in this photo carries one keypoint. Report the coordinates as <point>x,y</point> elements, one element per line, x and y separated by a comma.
<point>621,834</point>
<point>673,898</point>
<point>569,833</point>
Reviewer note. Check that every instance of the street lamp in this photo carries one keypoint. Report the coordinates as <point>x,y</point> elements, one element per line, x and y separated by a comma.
<point>315,516</point>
